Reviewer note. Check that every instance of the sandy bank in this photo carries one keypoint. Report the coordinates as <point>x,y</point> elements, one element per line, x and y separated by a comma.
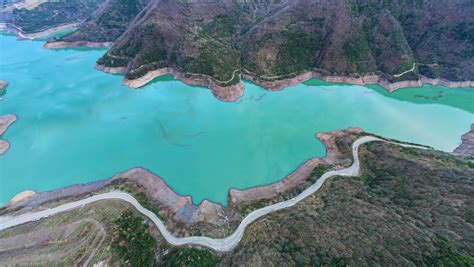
<point>21,196</point>
<point>5,122</point>
<point>61,44</point>
<point>466,148</point>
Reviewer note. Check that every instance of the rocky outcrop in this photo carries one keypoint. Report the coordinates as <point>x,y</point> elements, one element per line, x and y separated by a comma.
<point>112,70</point>
<point>223,93</point>
<point>3,87</point>
<point>234,92</point>
<point>5,122</point>
<point>61,44</point>
<point>274,85</point>
<point>466,148</point>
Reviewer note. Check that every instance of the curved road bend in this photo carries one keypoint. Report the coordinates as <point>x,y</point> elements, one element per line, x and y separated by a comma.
<point>221,245</point>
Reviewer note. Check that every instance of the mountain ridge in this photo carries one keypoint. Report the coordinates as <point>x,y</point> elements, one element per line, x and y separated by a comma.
<point>397,41</point>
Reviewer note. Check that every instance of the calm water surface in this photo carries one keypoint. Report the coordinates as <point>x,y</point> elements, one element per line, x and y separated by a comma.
<point>79,125</point>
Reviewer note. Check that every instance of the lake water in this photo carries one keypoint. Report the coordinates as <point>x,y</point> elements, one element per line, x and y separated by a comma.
<point>76,124</point>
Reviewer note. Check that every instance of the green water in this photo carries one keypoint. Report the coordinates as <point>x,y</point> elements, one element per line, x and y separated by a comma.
<point>79,125</point>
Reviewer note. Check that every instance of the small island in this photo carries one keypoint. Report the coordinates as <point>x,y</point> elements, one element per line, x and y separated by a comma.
<point>3,87</point>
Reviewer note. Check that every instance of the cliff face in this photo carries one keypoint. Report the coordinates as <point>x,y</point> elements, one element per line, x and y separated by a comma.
<point>278,39</point>
<point>466,148</point>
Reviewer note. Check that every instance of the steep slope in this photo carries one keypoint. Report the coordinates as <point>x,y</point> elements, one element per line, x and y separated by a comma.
<point>409,207</point>
<point>279,39</point>
<point>212,43</point>
<point>109,23</point>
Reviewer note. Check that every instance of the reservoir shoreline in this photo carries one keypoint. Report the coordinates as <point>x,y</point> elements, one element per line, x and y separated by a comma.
<point>180,208</point>
<point>234,92</point>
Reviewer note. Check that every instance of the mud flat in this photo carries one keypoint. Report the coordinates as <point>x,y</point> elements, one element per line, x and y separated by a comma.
<point>5,122</point>
<point>466,148</point>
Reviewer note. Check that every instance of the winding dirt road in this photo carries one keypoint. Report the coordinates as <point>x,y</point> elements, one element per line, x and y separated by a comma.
<point>221,245</point>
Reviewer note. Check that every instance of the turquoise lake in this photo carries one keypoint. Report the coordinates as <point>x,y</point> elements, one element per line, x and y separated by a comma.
<point>76,125</point>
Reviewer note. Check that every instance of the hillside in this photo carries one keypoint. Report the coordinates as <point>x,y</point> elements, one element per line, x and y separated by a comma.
<point>409,207</point>
<point>271,40</point>
<point>47,14</point>
<point>278,39</point>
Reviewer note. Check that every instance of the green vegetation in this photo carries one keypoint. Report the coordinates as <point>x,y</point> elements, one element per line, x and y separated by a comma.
<point>132,240</point>
<point>298,53</point>
<point>449,255</point>
<point>276,41</point>
<point>54,13</point>
<point>318,171</point>
<point>214,59</point>
<point>142,198</point>
<point>357,51</point>
<point>190,257</point>
<point>108,25</point>
<point>412,207</point>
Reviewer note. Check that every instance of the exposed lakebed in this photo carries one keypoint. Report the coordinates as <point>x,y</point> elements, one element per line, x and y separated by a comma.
<point>76,124</point>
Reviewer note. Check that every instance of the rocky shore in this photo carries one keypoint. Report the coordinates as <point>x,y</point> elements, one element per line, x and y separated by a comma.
<point>180,208</point>
<point>61,44</point>
<point>223,93</point>
<point>274,85</point>
<point>234,92</point>
<point>466,148</point>
<point>5,122</point>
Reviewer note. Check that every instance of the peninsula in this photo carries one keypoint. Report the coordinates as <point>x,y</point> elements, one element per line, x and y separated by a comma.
<point>5,122</point>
